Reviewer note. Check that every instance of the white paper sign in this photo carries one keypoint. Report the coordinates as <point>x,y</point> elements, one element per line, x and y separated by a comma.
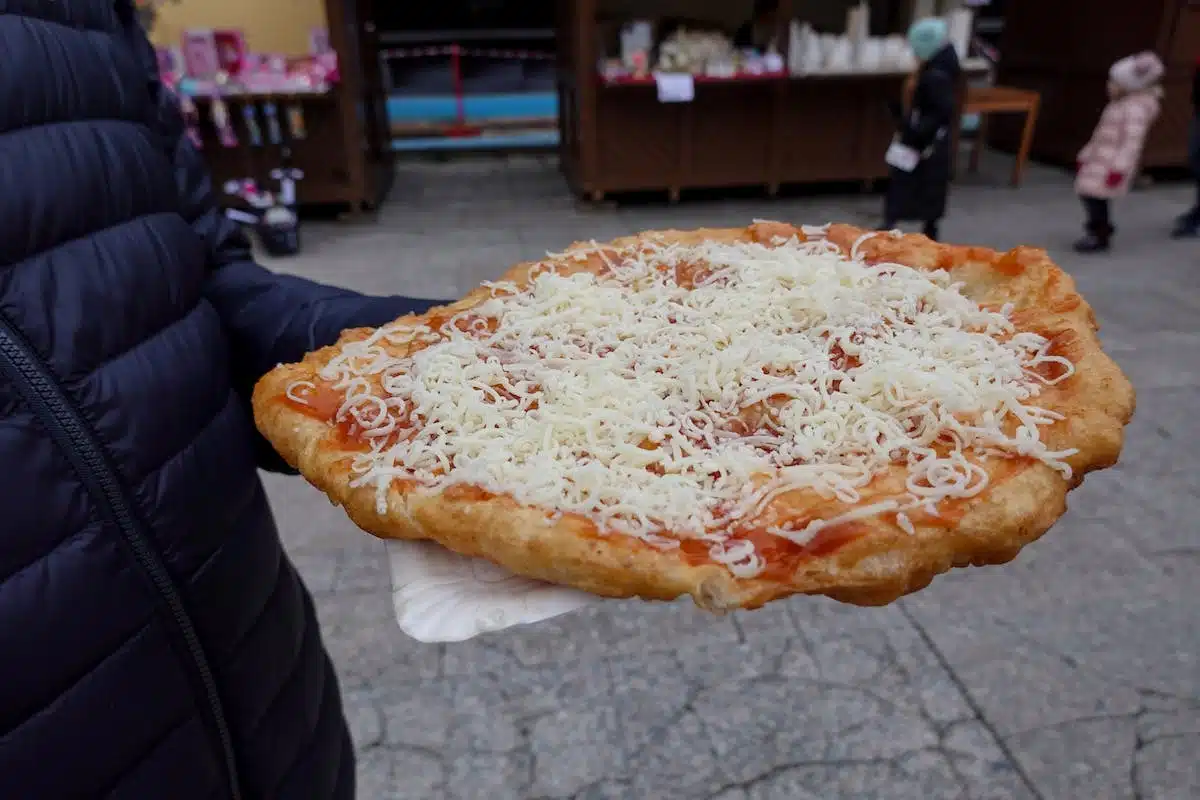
<point>675,87</point>
<point>902,157</point>
<point>440,596</point>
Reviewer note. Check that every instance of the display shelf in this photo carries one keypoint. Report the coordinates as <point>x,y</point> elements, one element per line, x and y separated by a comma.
<point>766,130</point>
<point>649,80</point>
<point>345,154</point>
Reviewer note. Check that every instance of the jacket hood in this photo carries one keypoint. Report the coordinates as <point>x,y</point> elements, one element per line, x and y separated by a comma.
<point>1137,73</point>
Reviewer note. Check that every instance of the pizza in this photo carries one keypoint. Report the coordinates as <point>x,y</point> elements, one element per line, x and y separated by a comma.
<point>737,415</point>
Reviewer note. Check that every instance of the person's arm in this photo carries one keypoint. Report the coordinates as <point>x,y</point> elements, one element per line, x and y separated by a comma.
<point>934,95</point>
<point>268,318</point>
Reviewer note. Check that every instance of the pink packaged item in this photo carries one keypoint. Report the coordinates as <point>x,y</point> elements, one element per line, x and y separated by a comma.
<point>200,59</point>
<point>231,50</point>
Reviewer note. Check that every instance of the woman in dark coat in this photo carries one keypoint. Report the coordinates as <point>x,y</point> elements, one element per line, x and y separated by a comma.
<point>924,126</point>
<point>155,640</point>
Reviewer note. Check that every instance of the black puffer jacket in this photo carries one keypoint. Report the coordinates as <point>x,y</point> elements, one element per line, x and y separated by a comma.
<point>926,127</point>
<point>155,641</point>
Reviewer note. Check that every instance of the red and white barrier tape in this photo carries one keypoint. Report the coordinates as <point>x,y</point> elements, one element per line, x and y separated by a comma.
<point>449,50</point>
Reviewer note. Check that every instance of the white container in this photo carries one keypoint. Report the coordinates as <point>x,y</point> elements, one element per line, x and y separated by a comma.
<point>841,55</point>
<point>870,56</point>
<point>897,55</point>
<point>636,37</point>
<point>814,58</point>
<point>858,28</point>
<point>960,23</point>
<point>795,50</point>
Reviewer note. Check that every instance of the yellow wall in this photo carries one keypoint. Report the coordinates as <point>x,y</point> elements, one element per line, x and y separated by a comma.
<point>270,26</point>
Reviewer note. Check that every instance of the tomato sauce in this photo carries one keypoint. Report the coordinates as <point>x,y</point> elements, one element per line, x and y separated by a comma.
<point>695,551</point>
<point>782,556</point>
<point>839,360</point>
<point>467,323</point>
<point>1010,264</point>
<point>323,403</point>
<point>952,510</point>
<point>947,258</point>
<point>689,275</point>
<point>466,493</point>
<point>768,232</point>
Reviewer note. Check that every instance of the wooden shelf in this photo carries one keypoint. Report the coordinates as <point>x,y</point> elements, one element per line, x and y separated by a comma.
<point>346,155</point>
<point>630,80</point>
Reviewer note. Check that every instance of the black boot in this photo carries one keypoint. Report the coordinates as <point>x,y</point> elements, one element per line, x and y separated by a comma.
<point>1097,225</point>
<point>1093,242</point>
<point>1187,226</point>
<point>1097,237</point>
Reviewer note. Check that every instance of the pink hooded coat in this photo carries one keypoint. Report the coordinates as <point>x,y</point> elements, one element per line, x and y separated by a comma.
<point>1116,145</point>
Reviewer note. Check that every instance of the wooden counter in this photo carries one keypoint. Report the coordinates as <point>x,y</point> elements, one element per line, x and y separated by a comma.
<point>337,169</point>
<point>737,132</point>
<point>615,135</point>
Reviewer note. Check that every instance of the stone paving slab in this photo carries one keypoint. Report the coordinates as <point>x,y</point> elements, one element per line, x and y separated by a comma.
<point>1072,673</point>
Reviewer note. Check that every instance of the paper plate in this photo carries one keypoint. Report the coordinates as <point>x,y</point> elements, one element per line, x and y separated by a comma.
<point>440,596</point>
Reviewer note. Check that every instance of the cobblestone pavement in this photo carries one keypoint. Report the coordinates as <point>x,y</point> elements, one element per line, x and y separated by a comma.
<point>1072,673</point>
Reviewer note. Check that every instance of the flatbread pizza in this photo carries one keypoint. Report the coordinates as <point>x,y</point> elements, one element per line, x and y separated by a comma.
<point>737,415</point>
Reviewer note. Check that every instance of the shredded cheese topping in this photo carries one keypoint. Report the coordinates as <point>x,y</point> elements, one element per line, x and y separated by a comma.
<point>666,407</point>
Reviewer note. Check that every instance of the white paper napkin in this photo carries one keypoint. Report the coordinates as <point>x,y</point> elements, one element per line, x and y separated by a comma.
<point>440,596</point>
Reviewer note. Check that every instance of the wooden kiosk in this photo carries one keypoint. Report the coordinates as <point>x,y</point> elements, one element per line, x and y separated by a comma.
<point>746,131</point>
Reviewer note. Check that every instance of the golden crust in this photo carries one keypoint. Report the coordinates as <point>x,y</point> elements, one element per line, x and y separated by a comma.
<point>875,565</point>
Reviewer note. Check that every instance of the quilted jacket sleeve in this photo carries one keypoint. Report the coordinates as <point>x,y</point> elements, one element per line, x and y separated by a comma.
<point>934,98</point>
<point>269,318</point>
<point>1134,125</point>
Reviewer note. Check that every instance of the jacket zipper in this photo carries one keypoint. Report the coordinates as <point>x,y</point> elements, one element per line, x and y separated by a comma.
<point>70,432</point>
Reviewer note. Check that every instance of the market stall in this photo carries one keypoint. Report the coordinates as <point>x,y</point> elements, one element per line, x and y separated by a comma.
<point>798,94</point>
<point>1063,51</point>
<point>280,87</point>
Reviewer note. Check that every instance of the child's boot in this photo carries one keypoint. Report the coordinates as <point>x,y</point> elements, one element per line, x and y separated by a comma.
<point>1188,225</point>
<point>1096,240</point>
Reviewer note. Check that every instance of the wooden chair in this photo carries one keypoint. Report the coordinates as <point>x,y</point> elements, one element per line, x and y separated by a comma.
<point>985,100</point>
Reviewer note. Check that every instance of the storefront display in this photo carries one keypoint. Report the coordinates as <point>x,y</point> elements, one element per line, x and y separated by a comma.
<point>257,111</point>
<point>653,104</point>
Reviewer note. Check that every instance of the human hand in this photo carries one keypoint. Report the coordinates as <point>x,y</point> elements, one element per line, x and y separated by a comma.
<point>1114,179</point>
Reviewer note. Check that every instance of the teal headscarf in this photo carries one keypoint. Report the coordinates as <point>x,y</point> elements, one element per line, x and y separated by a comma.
<point>927,37</point>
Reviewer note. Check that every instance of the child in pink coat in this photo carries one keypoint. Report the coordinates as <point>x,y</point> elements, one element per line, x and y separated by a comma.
<point>1109,161</point>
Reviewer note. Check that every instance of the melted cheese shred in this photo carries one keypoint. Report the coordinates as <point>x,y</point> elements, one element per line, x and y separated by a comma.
<point>663,411</point>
